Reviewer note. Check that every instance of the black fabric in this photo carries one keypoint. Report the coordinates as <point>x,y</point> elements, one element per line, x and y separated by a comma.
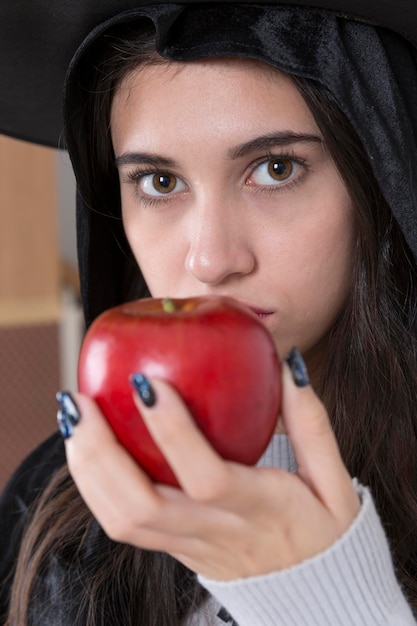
<point>371,71</point>
<point>60,592</point>
<point>15,501</point>
<point>39,37</point>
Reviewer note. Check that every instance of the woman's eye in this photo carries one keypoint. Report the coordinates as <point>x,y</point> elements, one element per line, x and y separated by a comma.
<point>160,184</point>
<point>274,171</point>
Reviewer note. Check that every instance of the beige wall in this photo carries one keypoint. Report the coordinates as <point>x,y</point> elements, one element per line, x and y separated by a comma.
<point>29,300</point>
<point>29,259</point>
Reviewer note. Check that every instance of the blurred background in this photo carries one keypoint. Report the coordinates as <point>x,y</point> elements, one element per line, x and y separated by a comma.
<point>41,322</point>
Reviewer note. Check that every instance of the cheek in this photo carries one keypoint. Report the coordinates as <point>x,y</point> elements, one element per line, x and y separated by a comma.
<point>328,272</point>
<point>317,273</point>
<point>156,251</point>
<point>328,263</point>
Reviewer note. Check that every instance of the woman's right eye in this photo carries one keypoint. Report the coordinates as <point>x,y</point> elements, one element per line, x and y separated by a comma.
<point>159,184</point>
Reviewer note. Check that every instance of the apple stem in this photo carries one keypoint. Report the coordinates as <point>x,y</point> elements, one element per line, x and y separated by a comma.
<point>168,305</point>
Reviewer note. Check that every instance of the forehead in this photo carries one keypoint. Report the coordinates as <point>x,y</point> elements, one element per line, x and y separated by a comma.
<point>179,94</point>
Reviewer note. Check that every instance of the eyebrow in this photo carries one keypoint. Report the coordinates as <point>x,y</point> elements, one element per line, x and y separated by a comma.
<point>137,158</point>
<point>264,142</point>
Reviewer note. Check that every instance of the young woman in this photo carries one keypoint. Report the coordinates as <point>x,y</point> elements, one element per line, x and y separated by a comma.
<point>271,162</point>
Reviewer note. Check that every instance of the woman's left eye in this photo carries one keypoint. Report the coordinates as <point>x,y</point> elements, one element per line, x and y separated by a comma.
<point>273,172</point>
<point>160,184</point>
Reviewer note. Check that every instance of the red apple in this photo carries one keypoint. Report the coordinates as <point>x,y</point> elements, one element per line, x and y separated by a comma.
<point>213,350</point>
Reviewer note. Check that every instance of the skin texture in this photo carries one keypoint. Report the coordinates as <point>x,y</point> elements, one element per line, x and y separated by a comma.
<point>283,247</point>
<point>226,227</point>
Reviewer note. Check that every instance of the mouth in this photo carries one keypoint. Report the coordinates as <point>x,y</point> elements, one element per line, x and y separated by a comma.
<point>260,313</point>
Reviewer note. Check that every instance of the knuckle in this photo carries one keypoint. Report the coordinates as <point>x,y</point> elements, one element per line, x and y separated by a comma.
<point>122,525</point>
<point>166,432</point>
<point>148,514</point>
<point>168,437</point>
<point>117,529</point>
<point>318,421</point>
<point>212,488</point>
<point>79,460</point>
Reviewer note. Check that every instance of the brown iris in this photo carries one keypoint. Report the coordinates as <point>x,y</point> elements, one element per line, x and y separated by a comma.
<point>280,170</point>
<point>164,183</point>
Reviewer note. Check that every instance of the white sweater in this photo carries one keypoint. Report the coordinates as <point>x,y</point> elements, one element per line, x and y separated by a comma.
<point>352,583</point>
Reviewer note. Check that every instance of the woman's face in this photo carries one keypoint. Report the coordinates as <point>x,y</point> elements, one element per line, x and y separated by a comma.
<point>227,189</point>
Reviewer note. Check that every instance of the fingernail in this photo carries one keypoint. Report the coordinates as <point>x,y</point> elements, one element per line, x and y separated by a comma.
<point>64,425</point>
<point>68,415</point>
<point>144,389</point>
<point>298,368</point>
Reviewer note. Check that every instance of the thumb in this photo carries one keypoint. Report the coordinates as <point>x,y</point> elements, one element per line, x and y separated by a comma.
<point>315,447</point>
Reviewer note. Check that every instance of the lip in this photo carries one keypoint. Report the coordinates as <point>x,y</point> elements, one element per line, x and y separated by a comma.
<point>261,313</point>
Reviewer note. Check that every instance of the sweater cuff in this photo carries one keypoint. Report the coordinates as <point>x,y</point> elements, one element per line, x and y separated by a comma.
<point>352,582</point>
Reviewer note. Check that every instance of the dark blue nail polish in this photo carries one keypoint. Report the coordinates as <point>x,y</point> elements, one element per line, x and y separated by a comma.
<point>64,425</point>
<point>298,368</point>
<point>142,385</point>
<point>68,408</point>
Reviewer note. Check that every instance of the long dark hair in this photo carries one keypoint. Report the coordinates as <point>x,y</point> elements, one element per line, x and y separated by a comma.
<point>369,386</point>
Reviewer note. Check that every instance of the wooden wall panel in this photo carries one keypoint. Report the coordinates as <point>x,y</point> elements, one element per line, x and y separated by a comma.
<point>29,299</point>
<point>29,268</point>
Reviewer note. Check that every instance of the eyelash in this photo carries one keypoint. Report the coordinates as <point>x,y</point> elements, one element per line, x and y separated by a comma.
<point>135,176</point>
<point>285,186</point>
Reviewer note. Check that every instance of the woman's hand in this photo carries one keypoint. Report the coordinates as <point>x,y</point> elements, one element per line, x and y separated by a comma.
<point>229,521</point>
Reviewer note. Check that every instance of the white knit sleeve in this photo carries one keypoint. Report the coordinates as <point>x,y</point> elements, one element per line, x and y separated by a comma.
<point>352,583</point>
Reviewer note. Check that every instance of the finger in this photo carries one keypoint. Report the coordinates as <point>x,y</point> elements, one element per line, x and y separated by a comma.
<point>315,446</point>
<point>127,504</point>
<point>106,475</point>
<point>199,469</point>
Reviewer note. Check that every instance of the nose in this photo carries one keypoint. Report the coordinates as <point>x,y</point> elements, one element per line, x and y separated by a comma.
<point>219,247</point>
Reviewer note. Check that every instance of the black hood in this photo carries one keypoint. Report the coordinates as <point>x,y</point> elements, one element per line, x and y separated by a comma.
<point>365,53</point>
<point>38,39</point>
